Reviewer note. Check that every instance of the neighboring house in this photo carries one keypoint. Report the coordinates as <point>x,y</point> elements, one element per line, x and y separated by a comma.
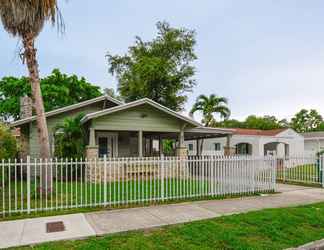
<point>280,142</point>
<point>314,142</point>
<point>118,129</point>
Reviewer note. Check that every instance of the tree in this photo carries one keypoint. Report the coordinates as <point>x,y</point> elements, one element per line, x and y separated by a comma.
<point>69,138</point>
<point>58,89</point>
<point>26,19</point>
<point>8,143</point>
<point>229,123</point>
<point>160,69</point>
<point>254,122</point>
<point>307,121</point>
<point>209,106</point>
<point>264,123</point>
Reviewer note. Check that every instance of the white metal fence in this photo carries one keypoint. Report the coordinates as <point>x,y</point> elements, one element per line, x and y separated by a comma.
<point>301,169</point>
<point>41,185</point>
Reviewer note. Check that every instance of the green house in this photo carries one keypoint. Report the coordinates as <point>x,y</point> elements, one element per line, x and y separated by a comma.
<point>117,129</point>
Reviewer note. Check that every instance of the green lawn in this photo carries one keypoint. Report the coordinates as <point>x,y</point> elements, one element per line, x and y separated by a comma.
<point>303,173</point>
<point>266,229</point>
<point>75,194</point>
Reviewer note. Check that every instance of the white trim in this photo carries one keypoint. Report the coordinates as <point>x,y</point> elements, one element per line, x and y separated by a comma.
<point>67,108</point>
<point>138,103</point>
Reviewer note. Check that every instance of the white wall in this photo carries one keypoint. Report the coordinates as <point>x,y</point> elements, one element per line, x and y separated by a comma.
<point>289,136</point>
<point>313,146</point>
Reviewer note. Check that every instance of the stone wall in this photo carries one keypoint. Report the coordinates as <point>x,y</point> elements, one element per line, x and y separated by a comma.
<point>123,170</point>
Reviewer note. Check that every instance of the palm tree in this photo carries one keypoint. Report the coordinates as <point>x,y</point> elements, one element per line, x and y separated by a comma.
<point>25,19</point>
<point>69,138</point>
<point>209,106</point>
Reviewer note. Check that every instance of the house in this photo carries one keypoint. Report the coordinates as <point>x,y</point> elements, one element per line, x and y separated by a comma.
<point>314,142</point>
<point>280,142</point>
<point>117,129</point>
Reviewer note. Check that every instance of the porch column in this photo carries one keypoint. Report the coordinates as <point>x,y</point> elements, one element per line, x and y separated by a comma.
<point>228,150</point>
<point>92,149</point>
<point>140,143</point>
<point>92,137</point>
<point>181,150</point>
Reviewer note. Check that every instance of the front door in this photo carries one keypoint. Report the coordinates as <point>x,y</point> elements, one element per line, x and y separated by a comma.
<point>106,146</point>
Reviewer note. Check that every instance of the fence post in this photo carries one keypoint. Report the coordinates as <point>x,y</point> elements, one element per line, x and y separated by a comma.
<point>162,176</point>
<point>105,180</point>
<point>283,169</point>
<point>28,184</point>
<point>274,176</point>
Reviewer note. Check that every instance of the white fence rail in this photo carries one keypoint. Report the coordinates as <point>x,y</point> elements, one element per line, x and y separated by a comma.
<point>41,185</point>
<point>301,169</point>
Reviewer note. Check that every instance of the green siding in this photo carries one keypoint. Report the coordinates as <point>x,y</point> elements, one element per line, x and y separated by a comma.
<point>52,122</point>
<point>145,117</point>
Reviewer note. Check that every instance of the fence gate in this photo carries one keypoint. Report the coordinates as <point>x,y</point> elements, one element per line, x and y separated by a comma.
<point>301,170</point>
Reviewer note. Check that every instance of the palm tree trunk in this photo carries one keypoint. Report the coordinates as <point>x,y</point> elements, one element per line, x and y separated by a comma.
<point>30,57</point>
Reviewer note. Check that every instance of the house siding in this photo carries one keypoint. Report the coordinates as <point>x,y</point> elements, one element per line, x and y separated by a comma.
<point>52,122</point>
<point>145,118</point>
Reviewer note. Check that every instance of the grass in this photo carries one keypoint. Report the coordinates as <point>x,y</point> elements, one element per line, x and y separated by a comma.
<point>266,229</point>
<point>72,194</point>
<point>308,173</point>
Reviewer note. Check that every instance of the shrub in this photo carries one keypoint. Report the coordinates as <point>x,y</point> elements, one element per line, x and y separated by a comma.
<point>8,143</point>
<point>69,138</point>
<point>8,149</point>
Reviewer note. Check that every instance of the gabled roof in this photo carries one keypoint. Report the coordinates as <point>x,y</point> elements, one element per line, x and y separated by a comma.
<point>138,103</point>
<point>68,108</point>
<point>258,132</point>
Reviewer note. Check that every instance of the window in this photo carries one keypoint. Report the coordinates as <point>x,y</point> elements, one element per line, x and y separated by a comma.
<point>103,146</point>
<point>244,149</point>
<point>217,146</point>
<point>190,147</point>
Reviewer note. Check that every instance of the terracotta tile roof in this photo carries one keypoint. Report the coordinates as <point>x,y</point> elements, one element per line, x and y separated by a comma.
<point>258,132</point>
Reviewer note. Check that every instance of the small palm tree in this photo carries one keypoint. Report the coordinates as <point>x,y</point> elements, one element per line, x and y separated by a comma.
<point>69,138</point>
<point>209,106</point>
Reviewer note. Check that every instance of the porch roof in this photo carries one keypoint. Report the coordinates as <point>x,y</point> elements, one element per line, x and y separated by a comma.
<point>206,132</point>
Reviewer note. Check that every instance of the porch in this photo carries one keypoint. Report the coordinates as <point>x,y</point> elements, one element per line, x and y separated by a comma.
<point>143,143</point>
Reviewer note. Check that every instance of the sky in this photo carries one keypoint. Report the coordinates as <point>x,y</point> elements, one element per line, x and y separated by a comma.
<point>266,57</point>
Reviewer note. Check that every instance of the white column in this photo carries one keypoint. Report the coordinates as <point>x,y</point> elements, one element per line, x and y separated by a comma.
<point>92,137</point>
<point>181,139</point>
<point>140,143</point>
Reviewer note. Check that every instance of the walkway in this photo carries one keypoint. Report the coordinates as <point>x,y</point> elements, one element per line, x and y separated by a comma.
<point>32,231</point>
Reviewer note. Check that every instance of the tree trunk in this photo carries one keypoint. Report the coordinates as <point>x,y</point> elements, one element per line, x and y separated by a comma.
<point>31,61</point>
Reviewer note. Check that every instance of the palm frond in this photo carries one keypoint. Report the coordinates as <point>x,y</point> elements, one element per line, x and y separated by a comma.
<point>21,17</point>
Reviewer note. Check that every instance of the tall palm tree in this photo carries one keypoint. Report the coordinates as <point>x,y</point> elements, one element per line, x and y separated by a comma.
<point>209,106</point>
<point>25,19</point>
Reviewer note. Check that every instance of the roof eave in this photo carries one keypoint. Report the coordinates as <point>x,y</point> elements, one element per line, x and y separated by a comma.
<point>67,108</point>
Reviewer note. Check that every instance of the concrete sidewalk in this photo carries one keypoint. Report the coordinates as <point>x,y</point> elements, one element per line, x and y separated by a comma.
<point>32,231</point>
